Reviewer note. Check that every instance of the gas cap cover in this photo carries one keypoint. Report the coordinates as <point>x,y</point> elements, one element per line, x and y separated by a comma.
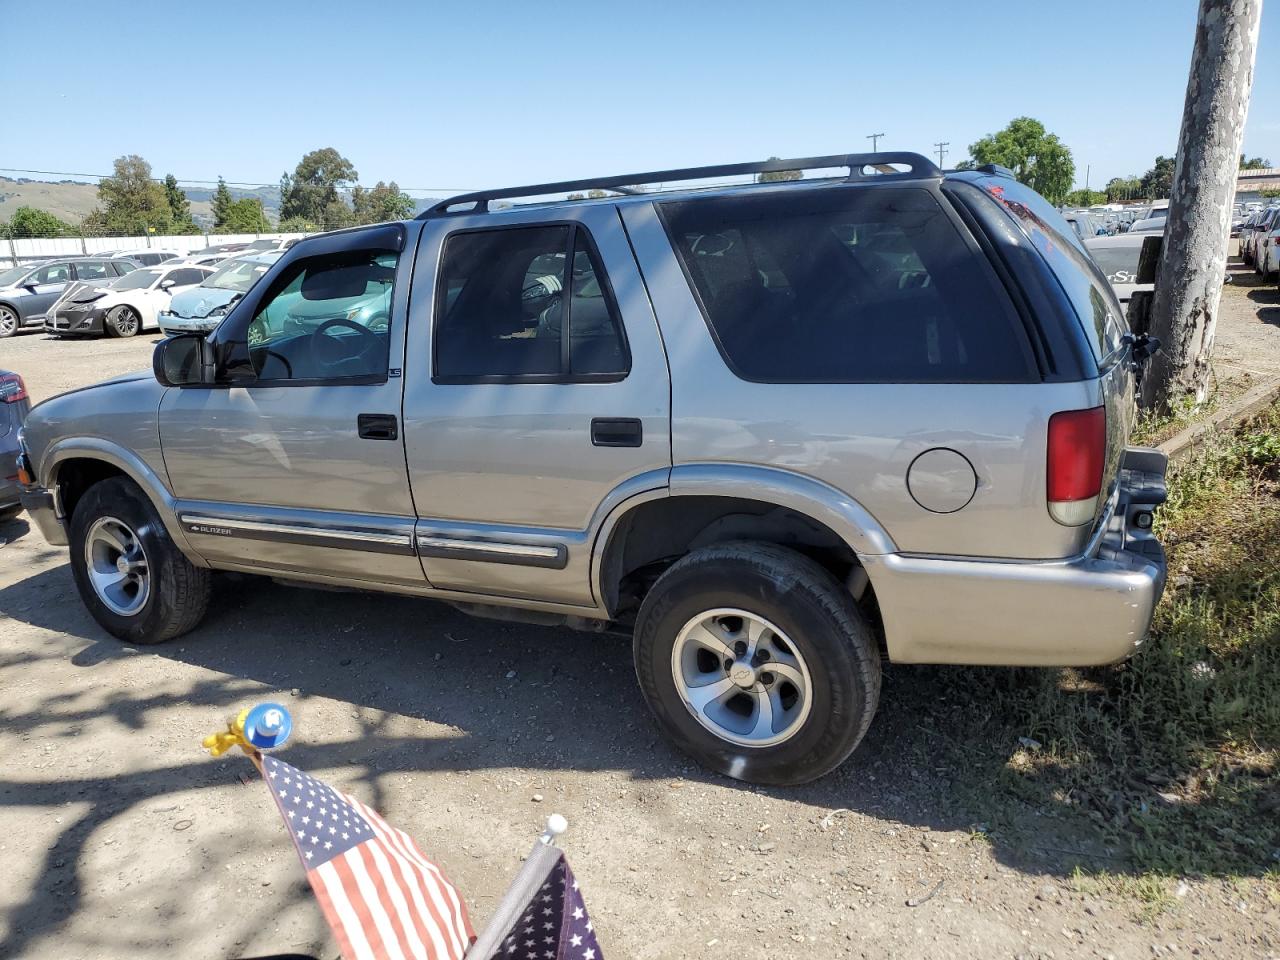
<point>941,480</point>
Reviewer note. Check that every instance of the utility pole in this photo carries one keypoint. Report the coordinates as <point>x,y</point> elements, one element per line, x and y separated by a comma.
<point>942,149</point>
<point>875,139</point>
<point>1087,167</point>
<point>1184,309</point>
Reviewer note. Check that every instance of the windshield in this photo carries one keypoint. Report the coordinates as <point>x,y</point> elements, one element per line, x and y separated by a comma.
<point>136,280</point>
<point>13,275</point>
<point>237,275</point>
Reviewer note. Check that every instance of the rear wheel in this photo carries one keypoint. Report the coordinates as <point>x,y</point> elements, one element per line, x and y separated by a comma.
<point>8,321</point>
<point>756,661</point>
<point>131,576</point>
<point>123,321</point>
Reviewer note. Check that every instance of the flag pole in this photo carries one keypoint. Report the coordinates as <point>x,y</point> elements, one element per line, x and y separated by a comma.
<point>533,874</point>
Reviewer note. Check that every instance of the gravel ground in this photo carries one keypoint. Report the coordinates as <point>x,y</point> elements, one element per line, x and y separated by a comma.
<point>121,838</point>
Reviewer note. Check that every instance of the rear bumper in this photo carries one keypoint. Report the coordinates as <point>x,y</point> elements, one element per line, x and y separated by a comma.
<point>1090,610</point>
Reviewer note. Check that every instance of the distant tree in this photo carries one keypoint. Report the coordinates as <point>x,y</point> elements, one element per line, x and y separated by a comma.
<point>773,176</point>
<point>132,202</point>
<point>28,222</point>
<point>1254,163</point>
<point>380,203</point>
<point>1269,193</point>
<point>222,204</point>
<point>179,206</point>
<point>966,164</point>
<point>576,196</point>
<point>311,192</point>
<point>245,216</point>
<point>1037,158</point>
<point>1123,188</point>
<point>1158,181</point>
<point>597,194</point>
<point>1084,198</point>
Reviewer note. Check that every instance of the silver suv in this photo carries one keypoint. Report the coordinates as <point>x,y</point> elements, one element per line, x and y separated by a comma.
<point>780,431</point>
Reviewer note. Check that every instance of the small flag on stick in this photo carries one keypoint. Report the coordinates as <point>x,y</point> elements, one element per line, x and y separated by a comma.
<point>383,898</point>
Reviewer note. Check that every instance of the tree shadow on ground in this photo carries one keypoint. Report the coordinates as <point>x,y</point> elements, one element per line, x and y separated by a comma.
<point>937,757</point>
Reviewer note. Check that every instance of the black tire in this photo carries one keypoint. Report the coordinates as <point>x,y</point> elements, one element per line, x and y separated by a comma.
<point>822,623</point>
<point>122,321</point>
<point>179,590</point>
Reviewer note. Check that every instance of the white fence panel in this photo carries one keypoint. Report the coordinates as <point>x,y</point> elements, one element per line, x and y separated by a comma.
<point>17,251</point>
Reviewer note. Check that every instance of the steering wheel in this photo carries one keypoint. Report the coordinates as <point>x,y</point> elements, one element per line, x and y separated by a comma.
<point>369,343</point>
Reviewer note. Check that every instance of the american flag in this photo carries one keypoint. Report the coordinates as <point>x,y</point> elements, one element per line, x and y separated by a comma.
<point>382,897</point>
<point>543,917</point>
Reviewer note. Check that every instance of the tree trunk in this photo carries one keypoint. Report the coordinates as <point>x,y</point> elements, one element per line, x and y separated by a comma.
<point>1184,311</point>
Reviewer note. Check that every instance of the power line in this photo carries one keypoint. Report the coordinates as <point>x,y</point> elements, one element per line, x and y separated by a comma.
<point>229,183</point>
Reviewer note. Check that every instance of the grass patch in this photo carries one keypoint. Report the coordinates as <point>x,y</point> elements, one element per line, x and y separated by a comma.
<point>1168,762</point>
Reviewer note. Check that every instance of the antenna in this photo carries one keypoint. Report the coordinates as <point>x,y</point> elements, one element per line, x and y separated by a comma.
<point>942,149</point>
<point>875,139</point>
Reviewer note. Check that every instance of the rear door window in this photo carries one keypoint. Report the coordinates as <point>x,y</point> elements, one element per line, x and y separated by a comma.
<point>846,285</point>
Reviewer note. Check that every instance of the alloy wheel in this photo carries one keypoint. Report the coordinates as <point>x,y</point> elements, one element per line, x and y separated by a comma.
<point>117,566</point>
<point>741,677</point>
<point>8,322</point>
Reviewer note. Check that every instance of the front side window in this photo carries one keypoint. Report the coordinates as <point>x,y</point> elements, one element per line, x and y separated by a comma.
<point>326,318</point>
<point>54,273</point>
<point>846,285</point>
<point>123,267</point>
<point>526,303</point>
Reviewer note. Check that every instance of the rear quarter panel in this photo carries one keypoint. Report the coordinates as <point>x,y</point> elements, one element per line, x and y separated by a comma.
<point>862,438</point>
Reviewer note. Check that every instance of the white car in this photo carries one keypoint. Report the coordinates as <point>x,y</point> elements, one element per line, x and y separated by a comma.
<point>145,257</point>
<point>123,307</point>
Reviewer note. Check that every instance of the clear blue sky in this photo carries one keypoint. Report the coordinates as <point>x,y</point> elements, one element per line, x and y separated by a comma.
<point>476,94</point>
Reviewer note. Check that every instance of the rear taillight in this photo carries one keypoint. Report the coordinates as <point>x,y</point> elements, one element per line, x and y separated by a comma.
<point>1077,449</point>
<point>12,389</point>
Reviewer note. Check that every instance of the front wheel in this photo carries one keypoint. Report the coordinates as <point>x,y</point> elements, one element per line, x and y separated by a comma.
<point>756,661</point>
<point>130,574</point>
<point>123,322</point>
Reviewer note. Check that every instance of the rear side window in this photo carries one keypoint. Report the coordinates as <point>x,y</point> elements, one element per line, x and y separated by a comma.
<point>1084,284</point>
<point>846,286</point>
<point>526,304</point>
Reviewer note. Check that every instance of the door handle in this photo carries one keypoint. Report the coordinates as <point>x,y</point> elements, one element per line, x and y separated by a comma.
<point>378,426</point>
<point>616,432</point>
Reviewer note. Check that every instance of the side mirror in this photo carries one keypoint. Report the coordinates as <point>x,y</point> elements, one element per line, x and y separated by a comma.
<point>167,284</point>
<point>185,360</point>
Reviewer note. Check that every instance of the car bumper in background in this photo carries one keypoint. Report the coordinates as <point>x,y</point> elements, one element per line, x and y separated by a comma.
<point>171,323</point>
<point>1094,609</point>
<point>66,322</point>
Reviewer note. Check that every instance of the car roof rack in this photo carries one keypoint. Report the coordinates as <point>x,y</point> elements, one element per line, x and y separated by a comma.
<point>858,163</point>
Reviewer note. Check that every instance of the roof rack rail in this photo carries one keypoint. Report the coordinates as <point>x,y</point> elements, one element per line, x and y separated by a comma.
<point>857,163</point>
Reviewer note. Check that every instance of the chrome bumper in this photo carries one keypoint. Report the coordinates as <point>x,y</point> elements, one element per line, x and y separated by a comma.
<point>1090,610</point>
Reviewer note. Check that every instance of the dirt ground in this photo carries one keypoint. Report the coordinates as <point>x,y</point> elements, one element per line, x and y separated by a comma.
<point>120,838</point>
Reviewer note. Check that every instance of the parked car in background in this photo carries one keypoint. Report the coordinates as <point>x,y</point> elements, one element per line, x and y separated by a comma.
<point>1251,235</point>
<point>14,405</point>
<point>267,244</point>
<point>202,308</point>
<point>27,292</point>
<point>125,306</point>
<point>1084,224</point>
<point>1148,225</point>
<point>146,257</point>
<point>1267,249</point>
<point>1117,258</point>
<point>202,258</point>
<point>776,431</point>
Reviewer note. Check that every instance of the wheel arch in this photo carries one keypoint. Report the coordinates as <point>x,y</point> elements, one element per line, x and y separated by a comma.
<point>71,466</point>
<point>714,503</point>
